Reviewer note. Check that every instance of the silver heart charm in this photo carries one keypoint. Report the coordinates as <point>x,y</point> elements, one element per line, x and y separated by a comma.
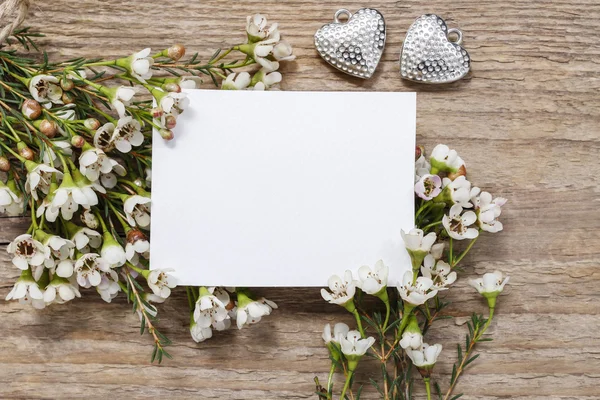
<point>354,46</point>
<point>429,56</point>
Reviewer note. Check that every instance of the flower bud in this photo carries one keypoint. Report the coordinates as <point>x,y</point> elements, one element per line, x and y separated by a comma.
<point>176,51</point>
<point>166,134</point>
<point>31,109</point>
<point>77,141</point>
<point>170,121</point>
<point>26,152</point>
<point>156,112</point>
<point>172,87</point>
<point>419,151</point>
<point>134,235</point>
<point>462,170</point>
<point>66,83</point>
<point>4,164</point>
<point>92,124</point>
<point>68,98</point>
<point>48,128</point>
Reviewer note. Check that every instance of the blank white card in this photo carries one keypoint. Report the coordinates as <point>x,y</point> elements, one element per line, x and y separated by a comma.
<point>283,188</point>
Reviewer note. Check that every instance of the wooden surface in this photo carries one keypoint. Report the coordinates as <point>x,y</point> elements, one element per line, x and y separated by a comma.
<point>527,122</point>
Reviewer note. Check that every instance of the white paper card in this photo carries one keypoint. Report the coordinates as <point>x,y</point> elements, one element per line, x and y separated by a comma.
<point>283,188</point>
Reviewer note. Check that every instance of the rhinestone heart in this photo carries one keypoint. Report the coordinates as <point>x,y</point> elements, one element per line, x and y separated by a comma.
<point>355,46</point>
<point>429,56</point>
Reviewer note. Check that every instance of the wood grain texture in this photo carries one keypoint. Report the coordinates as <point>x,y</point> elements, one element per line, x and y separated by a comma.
<point>526,120</point>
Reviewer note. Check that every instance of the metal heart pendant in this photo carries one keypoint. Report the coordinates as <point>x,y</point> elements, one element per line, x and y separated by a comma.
<point>354,46</point>
<point>429,56</point>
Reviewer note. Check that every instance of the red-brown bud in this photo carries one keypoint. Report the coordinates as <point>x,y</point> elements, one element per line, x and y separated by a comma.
<point>156,112</point>
<point>134,235</point>
<point>31,109</point>
<point>77,141</point>
<point>48,128</point>
<point>166,134</point>
<point>91,123</point>
<point>4,164</point>
<point>419,151</point>
<point>176,51</point>
<point>170,121</point>
<point>461,171</point>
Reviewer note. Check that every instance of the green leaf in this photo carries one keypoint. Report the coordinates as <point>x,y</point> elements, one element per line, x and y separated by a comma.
<point>470,360</point>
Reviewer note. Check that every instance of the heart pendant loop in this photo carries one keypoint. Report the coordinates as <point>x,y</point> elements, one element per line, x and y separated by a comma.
<point>339,13</point>
<point>429,53</point>
<point>353,46</point>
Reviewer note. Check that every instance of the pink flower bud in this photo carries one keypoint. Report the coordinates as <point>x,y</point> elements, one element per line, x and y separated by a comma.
<point>31,109</point>
<point>176,51</point>
<point>91,123</point>
<point>170,121</point>
<point>4,164</point>
<point>166,134</point>
<point>134,235</point>
<point>156,112</point>
<point>78,141</point>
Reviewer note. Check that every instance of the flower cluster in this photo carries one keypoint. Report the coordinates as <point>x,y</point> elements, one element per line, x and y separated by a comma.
<point>449,212</point>
<point>76,154</point>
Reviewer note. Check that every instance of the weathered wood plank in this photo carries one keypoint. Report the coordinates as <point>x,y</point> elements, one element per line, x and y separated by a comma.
<point>527,121</point>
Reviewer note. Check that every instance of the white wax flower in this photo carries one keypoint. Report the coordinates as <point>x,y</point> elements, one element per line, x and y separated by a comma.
<point>251,311</point>
<point>112,252</point>
<point>139,65</point>
<point>282,51</point>
<point>235,81</point>
<point>458,191</point>
<point>103,138</point>
<point>87,237</point>
<point>39,178</point>
<point>341,291</point>
<point>458,225</point>
<point>89,269</point>
<point>198,333</point>
<point>11,202</point>
<point>426,356</point>
<point>27,251</point>
<point>46,90</point>
<point>353,346</point>
<point>444,159</point>
<point>210,309</point>
<point>490,283</point>
<point>127,133</point>
<point>160,281</point>
<point>487,209</point>
<point>417,293</point>
<point>93,162</point>
<point>428,186</point>
<point>60,290</point>
<point>416,242</point>
<point>373,281</point>
<point>27,291</point>
<point>422,167</point>
<point>339,330</point>
<point>122,97</point>
<point>438,271</point>
<point>137,210</point>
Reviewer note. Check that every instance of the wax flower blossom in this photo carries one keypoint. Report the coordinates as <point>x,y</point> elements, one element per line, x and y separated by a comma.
<point>27,251</point>
<point>425,357</point>
<point>457,224</point>
<point>236,81</point>
<point>210,309</point>
<point>89,269</point>
<point>161,282</point>
<point>457,191</point>
<point>416,293</point>
<point>45,89</point>
<point>490,285</point>
<point>251,311</point>
<point>138,65</point>
<point>27,291</point>
<point>39,178</point>
<point>445,160</point>
<point>428,186</point>
<point>373,281</point>
<point>341,291</point>
<point>11,200</point>
<point>487,209</point>
<point>137,210</point>
<point>127,134</point>
<point>418,245</point>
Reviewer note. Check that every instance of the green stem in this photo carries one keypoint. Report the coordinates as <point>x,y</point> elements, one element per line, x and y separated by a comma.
<point>330,381</point>
<point>423,208</point>
<point>222,56</point>
<point>359,323</point>
<point>387,315</point>
<point>464,253</point>
<point>427,388</point>
<point>426,227</point>
<point>346,385</point>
